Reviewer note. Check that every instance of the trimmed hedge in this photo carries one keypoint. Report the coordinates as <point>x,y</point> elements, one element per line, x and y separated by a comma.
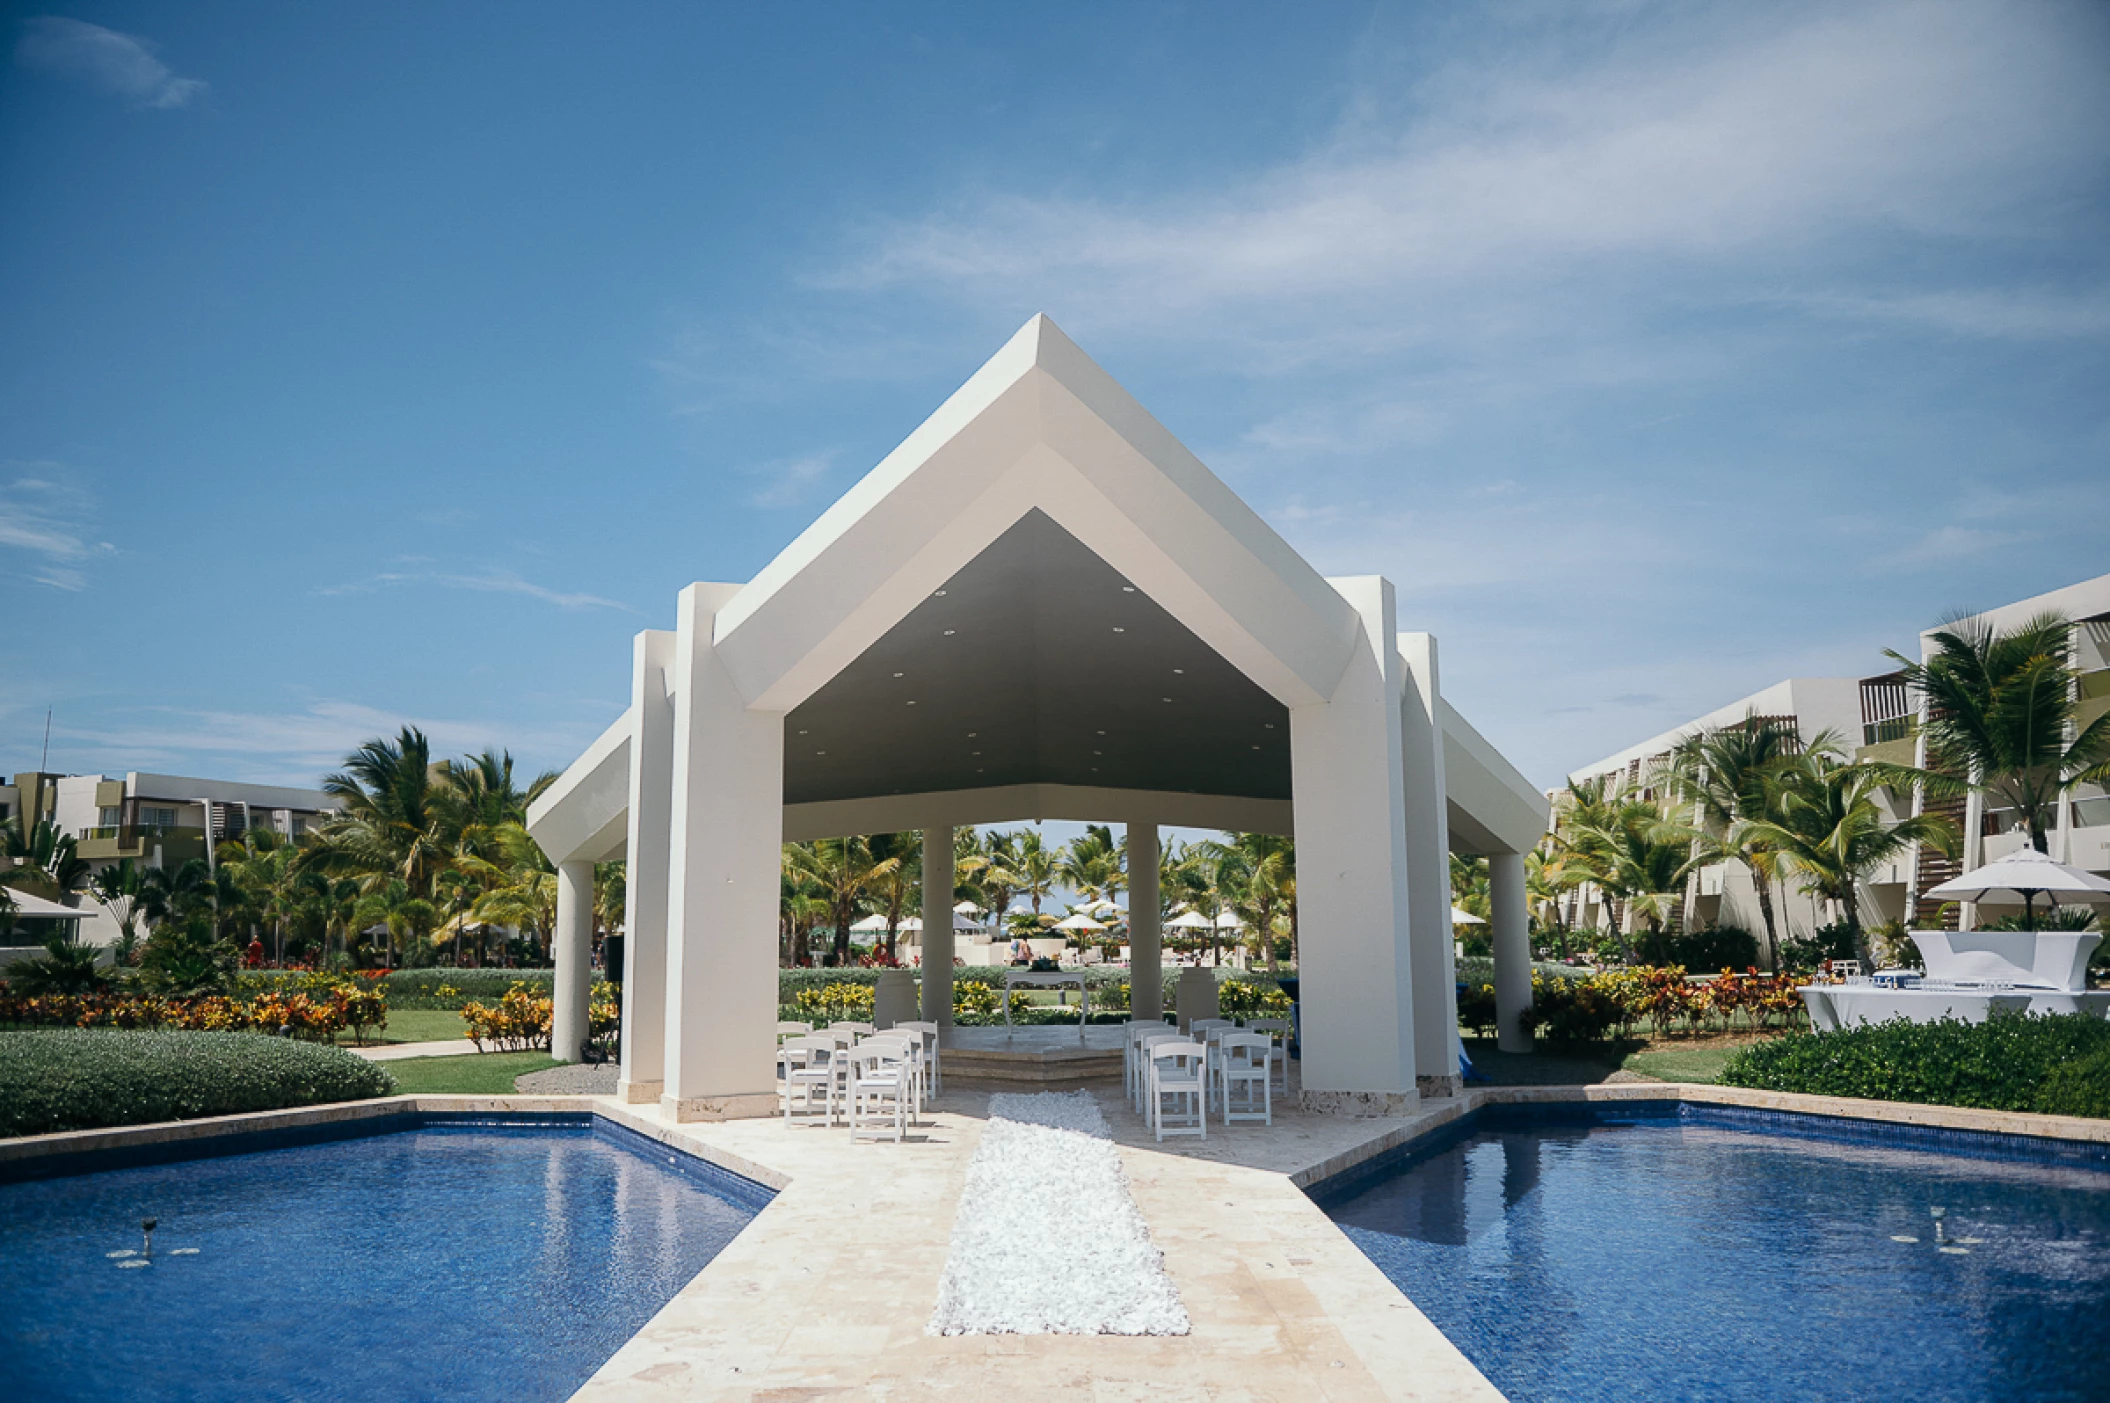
<point>2058,1064</point>
<point>420,988</point>
<point>87,1078</point>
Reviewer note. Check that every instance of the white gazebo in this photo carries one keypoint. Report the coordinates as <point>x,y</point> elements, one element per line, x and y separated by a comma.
<point>907,663</point>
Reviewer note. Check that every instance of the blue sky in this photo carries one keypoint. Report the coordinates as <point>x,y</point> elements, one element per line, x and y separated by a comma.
<point>393,363</point>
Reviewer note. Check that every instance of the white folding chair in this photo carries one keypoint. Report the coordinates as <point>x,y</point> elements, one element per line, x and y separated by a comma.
<point>1145,1038</point>
<point>791,1028</point>
<point>1179,1069</point>
<point>1132,1035</point>
<point>911,1045</point>
<point>851,1026</point>
<point>932,1069</point>
<point>806,1069</point>
<point>1242,1065</point>
<point>879,1090</point>
<point>1277,1030</point>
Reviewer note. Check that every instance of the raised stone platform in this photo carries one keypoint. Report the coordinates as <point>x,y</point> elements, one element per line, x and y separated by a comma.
<point>1041,1058</point>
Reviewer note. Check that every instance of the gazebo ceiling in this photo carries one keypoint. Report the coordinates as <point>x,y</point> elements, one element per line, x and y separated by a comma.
<point>1037,663</point>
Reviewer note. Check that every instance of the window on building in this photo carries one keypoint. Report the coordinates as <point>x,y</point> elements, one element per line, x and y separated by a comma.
<point>156,818</point>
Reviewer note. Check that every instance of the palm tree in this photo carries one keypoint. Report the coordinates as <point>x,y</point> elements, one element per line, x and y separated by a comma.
<point>117,890</point>
<point>1255,876</point>
<point>260,868</point>
<point>1997,709</point>
<point>1035,867</point>
<point>43,862</point>
<point>1639,857</point>
<point>399,819</point>
<point>521,884</point>
<point>897,887</point>
<point>404,915</point>
<point>1091,864</point>
<point>1830,831</point>
<point>1725,775</point>
<point>844,869</point>
<point>992,869</point>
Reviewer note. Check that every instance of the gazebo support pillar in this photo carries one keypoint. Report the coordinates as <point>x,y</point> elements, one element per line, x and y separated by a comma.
<point>573,956</point>
<point>1356,996</point>
<point>725,854</point>
<point>651,817</point>
<point>938,939</point>
<point>1511,928</point>
<point>1146,955</point>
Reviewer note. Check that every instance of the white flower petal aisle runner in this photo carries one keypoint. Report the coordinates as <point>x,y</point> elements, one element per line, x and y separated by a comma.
<point>1047,1240</point>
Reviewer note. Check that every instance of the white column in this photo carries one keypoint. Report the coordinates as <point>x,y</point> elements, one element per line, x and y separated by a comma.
<point>1973,851</point>
<point>1357,982</point>
<point>724,845</point>
<point>574,957</point>
<point>1510,924</point>
<point>938,877</point>
<point>644,972</point>
<point>1435,956</point>
<point>1146,959</point>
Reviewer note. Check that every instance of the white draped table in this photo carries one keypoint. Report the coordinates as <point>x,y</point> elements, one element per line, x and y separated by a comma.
<point>1051,979</point>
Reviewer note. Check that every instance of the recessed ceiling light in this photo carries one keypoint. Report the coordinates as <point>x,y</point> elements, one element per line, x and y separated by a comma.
<point>1120,630</point>
<point>974,752</point>
<point>941,594</point>
<point>1179,672</point>
<point>1095,769</point>
<point>899,674</point>
<point>912,703</point>
<point>1098,752</point>
<point>972,734</point>
<point>979,770</point>
<point>1271,725</point>
<point>820,752</point>
<point>949,632</point>
<point>1164,699</point>
<point>802,733</point>
<point>1256,747</point>
<point>1128,589</point>
<point>1102,733</point>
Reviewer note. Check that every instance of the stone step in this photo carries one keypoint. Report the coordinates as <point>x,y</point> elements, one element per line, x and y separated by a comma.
<point>1046,1069</point>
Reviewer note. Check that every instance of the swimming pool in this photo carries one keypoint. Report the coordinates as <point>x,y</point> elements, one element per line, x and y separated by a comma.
<point>1667,1252</point>
<point>456,1258</point>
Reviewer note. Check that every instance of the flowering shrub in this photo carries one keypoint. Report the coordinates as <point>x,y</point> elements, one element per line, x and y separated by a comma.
<point>976,1002</point>
<point>1236,998</point>
<point>1616,1000</point>
<point>519,1023</point>
<point>318,1014</point>
<point>835,1002</point>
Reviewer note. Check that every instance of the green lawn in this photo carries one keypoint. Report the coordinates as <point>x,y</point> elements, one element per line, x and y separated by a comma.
<point>478,1074</point>
<point>1672,1062</point>
<point>1670,1059</point>
<point>420,1025</point>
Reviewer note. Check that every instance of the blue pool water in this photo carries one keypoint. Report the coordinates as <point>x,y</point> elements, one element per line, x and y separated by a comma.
<point>1703,1256</point>
<point>456,1260</point>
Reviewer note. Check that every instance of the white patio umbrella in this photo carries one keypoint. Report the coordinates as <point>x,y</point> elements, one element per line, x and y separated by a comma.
<point>1228,920</point>
<point>2024,873</point>
<point>1080,921</point>
<point>873,922</point>
<point>1462,917</point>
<point>1098,906</point>
<point>1190,920</point>
<point>967,908</point>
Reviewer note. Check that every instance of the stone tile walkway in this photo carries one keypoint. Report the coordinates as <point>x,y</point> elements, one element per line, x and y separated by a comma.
<point>392,1052</point>
<point>826,1294</point>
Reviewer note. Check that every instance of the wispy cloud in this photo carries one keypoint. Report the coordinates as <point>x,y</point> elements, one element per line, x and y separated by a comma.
<point>2017,315</point>
<point>48,519</point>
<point>493,581</point>
<point>1946,545</point>
<point>294,747</point>
<point>1673,146</point>
<point>789,481</point>
<point>122,63</point>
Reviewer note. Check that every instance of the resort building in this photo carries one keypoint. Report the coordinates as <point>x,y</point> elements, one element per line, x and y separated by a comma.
<point>154,820</point>
<point>1041,605</point>
<point>1873,718</point>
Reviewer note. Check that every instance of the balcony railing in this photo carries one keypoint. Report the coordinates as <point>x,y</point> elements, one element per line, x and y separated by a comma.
<point>1889,729</point>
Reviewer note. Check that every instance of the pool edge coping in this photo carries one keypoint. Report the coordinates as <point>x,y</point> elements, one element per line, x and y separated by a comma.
<point>1433,1117</point>
<point>22,1148</point>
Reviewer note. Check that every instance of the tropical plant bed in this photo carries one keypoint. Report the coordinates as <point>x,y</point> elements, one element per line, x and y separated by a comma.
<point>55,1079</point>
